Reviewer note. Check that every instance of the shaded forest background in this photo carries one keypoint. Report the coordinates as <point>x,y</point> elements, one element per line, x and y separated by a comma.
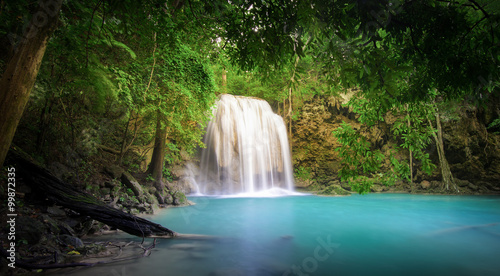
<point>132,83</point>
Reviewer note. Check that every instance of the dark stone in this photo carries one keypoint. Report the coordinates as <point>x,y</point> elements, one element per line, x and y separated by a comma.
<point>71,241</point>
<point>488,185</point>
<point>57,227</point>
<point>81,225</point>
<point>29,229</point>
<point>60,170</point>
<point>130,182</point>
<point>111,184</point>
<point>462,183</point>
<point>56,211</point>
<point>105,191</point>
<point>472,187</point>
<point>177,202</point>
<point>114,171</point>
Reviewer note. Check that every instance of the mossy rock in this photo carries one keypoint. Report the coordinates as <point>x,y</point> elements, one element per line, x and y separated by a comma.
<point>334,190</point>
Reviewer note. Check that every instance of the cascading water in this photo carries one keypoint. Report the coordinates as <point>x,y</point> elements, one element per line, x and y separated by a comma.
<point>246,150</point>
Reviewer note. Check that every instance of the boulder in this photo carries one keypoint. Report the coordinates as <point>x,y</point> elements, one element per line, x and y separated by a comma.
<point>377,188</point>
<point>114,171</point>
<point>71,241</point>
<point>57,227</point>
<point>130,182</point>
<point>425,184</point>
<point>56,211</point>
<point>112,184</point>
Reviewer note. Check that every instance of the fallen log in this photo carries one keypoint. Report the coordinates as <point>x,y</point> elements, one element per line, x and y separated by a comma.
<point>44,182</point>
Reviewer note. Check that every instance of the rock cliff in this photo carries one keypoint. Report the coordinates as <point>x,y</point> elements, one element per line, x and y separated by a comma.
<point>472,150</point>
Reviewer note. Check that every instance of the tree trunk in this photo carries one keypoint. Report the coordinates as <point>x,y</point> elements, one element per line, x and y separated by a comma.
<point>158,158</point>
<point>22,69</point>
<point>124,140</point>
<point>224,77</point>
<point>411,155</point>
<point>446,174</point>
<point>44,124</point>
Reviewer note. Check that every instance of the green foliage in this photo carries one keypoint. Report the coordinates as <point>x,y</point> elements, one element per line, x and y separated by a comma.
<point>167,174</point>
<point>495,125</point>
<point>414,130</point>
<point>109,61</point>
<point>358,161</point>
<point>362,165</point>
<point>303,173</point>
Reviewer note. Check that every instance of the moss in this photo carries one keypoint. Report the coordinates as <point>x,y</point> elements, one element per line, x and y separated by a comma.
<point>333,190</point>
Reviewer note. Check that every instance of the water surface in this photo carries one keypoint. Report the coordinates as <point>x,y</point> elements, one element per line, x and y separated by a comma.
<point>376,234</point>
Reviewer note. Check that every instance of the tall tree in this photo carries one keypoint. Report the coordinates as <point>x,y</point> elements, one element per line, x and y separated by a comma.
<point>22,69</point>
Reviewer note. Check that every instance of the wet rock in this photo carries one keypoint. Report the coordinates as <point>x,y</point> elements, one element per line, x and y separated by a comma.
<point>177,202</point>
<point>425,184</point>
<point>130,182</point>
<point>71,241</point>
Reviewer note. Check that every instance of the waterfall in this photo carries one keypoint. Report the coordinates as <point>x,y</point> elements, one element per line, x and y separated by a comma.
<point>246,150</point>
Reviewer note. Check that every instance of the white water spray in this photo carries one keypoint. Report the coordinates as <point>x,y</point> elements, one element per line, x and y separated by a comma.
<point>247,149</point>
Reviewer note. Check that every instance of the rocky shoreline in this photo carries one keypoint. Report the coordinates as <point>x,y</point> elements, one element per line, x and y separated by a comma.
<point>472,150</point>
<point>337,188</point>
<point>50,236</point>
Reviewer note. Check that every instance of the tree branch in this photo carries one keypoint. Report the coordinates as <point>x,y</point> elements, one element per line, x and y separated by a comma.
<point>88,32</point>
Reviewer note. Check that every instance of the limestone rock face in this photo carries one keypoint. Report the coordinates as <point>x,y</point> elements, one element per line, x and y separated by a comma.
<point>472,150</point>
<point>314,143</point>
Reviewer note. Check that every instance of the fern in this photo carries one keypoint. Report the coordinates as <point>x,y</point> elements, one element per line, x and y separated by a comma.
<point>124,47</point>
<point>495,124</point>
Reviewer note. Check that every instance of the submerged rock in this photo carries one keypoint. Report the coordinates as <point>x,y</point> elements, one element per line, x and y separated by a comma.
<point>190,247</point>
